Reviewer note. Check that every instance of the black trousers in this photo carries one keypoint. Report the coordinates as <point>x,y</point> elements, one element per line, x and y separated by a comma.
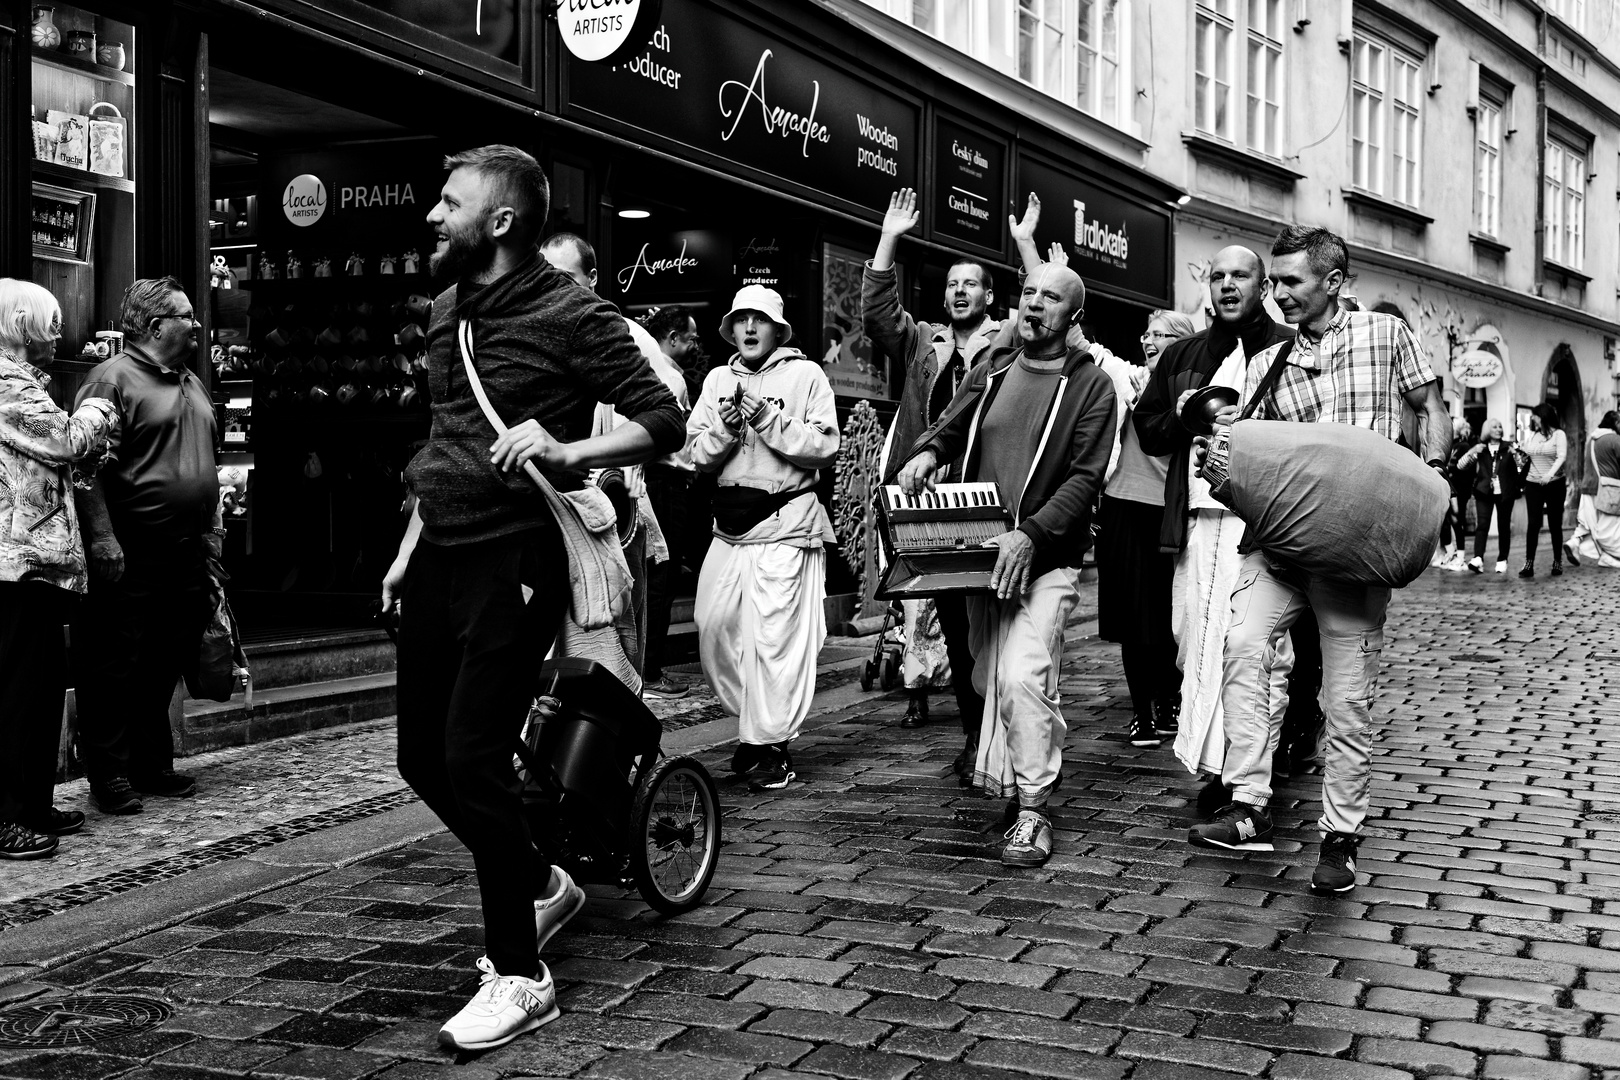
<point>668,490</point>
<point>33,685</point>
<point>470,648</point>
<point>953,621</point>
<point>132,640</point>
<point>1544,500</point>
<point>1484,503</point>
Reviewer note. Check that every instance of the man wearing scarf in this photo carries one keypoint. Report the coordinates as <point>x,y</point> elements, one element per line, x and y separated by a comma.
<point>1200,532</point>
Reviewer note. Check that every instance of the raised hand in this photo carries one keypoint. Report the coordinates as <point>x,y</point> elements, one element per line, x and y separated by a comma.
<point>1057,253</point>
<point>903,214</point>
<point>1024,229</point>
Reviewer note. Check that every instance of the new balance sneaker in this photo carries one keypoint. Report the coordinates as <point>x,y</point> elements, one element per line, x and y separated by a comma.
<point>1336,866</point>
<point>21,842</point>
<point>1569,553</point>
<point>115,796</point>
<point>553,910</point>
<point>54,822</point>
<point>1167,716</point>
<point>775,770</point>
<point>1234,826</point>
<point>168,784</point>
<point>505,1007</point>
<point>1029,841</point>
<point>1143,732</point>
<point>664,688</point>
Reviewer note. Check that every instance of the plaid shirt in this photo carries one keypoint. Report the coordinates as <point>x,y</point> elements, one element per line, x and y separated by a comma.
<point>1357,374</point>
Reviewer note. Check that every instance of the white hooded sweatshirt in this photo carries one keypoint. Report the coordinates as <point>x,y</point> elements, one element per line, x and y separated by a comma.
<point>792,437</point>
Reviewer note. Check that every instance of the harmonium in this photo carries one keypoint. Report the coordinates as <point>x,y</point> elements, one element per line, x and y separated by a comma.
<point>935,539</point>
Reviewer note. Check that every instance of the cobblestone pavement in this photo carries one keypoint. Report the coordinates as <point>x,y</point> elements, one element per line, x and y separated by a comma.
<point>860,926</point>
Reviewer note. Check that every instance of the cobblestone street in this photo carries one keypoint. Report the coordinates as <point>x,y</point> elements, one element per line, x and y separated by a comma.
<point>861,926</point>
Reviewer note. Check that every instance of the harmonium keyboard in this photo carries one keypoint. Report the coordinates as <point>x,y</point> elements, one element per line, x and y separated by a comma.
<point>935,539</point>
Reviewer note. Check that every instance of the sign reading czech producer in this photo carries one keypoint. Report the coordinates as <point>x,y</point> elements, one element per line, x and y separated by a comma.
<point>606,30</point>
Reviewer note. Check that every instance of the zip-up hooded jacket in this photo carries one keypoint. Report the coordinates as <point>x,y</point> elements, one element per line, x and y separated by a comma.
<point>922,347</point>
<point>1067,473</point>
<point>781,449</point>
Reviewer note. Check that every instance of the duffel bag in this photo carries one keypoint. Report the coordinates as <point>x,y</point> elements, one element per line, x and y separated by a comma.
<point>1336,501</point>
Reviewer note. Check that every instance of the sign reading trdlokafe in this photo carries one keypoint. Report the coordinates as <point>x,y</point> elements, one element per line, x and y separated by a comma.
<point>1110,240</point>
<point>719,85</point>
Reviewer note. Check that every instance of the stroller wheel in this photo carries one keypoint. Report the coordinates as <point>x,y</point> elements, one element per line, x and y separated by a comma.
<point>891,670</point>
<point>674,841</point>
<point>869,674</point>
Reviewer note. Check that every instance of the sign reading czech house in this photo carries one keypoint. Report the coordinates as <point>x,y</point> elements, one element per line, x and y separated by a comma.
<point>721,86</point>
<point>969,186</point>
<point>1110,240</point>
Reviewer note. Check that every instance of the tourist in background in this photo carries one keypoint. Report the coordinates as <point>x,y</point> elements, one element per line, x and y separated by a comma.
<point>1544,487</point>
<point>1496,488</point>
<point>1597,526</point>
<point>1461,481</point>
<point>42,564</point>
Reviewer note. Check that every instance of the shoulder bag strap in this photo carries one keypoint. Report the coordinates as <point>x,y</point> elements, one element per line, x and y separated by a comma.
<point>464,336</point>
<point>1269,383</point>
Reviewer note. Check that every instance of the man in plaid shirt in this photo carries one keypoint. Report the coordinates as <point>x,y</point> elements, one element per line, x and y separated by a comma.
<point>1345,367</point>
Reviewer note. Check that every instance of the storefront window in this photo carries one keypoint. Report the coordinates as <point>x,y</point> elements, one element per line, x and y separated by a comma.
<point>83,206</point>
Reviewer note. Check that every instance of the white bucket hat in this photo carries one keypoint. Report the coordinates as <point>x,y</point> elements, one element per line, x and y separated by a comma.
<point>766,301</point>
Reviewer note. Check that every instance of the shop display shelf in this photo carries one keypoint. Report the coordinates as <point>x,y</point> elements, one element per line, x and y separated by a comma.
<point>83,67</point>
<point>81,177</point>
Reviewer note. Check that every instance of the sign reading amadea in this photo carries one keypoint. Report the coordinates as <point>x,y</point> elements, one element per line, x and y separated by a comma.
<point>714,83</point>
<point>606,30</point>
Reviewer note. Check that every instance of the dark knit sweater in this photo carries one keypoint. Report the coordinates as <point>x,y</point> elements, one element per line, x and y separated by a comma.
<point>545,350</point>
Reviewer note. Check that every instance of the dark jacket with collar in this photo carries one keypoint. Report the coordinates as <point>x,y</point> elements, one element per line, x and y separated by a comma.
<point>1189,364</point>
<point>1067,474</point>
<point>922,347</point>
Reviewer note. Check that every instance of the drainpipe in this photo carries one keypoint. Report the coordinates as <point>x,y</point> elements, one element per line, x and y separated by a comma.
<point>1540,247</point>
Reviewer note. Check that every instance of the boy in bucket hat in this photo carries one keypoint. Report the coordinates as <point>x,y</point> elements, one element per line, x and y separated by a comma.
<point>765,422</point>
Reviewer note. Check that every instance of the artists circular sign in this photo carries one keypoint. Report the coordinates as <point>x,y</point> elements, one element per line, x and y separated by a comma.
<point>304,200</point>
<point>1479,367</point>
<point>606,31</point>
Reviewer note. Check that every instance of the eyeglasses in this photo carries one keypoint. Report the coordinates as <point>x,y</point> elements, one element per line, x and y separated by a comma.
<point>183,316</point>
<point>1158,335</point>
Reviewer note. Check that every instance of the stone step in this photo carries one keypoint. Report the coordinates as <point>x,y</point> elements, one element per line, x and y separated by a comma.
<point>319,658</point>
<point>284,710</point>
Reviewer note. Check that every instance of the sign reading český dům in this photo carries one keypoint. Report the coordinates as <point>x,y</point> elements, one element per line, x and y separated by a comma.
<point>718,85</point>
<point>969,187</point>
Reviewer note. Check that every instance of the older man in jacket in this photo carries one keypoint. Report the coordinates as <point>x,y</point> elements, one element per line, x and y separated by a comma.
<point>1037,418</point>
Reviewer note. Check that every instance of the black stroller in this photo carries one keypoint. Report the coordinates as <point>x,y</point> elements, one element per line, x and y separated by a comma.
<point>602,800</point>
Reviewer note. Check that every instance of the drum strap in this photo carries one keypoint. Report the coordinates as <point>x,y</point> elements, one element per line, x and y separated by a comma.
<point>1268,383</point>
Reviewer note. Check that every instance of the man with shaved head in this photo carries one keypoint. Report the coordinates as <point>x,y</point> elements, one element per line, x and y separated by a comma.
<point>1200,532</point>
<point>1037,418</point>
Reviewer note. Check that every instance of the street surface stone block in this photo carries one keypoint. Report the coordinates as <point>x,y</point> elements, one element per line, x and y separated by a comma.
<point>1604,1053</point>
<point>847,1064</point>
<point>820,1027</point>
<point>652,1065</point>
<point>1523,1016</point>
<point>796,969</point>
<point>1519,1068</point>
<point>225,1021</point>
<point>779,994</point>
<point>1295,1036</point>
<point>999,998</point>
<point>1457,962</point>
<point>1425,1059</point>
<point>969,969</point>
<point>690,1011</point>
<point>1359,1021</point>
<point>1202,1053</point>
<point>1036,1029</point>
<point>931,1045</point>
<point>1046,1061</point>
<point>1581,956</point>
<point>1423,1006</point>
<point>1535,993</point>
<point>541,1054</point>
<point>741,1046</point>
<point>1253,1006</point>
<point>919,1012</point>
<point>320,1063</point>
<point>614,1032</point>
<point>1490,1039</point>
<point>1304,1067</point>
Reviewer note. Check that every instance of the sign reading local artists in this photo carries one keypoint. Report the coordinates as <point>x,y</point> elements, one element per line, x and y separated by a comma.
<point>718,85</point>
<point>606,30</point>
<point>970,186</point>
<point>1110,239</point>
<point>339,199</point>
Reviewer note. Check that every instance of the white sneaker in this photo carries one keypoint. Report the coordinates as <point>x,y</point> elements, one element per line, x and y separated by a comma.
<point>505,1007</point>
<point>1501,566</point>
<point>1477,565</point>
<point>552,912</point>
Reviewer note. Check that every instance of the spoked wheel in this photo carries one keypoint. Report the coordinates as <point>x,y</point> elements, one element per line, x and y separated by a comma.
<point>674,834</point>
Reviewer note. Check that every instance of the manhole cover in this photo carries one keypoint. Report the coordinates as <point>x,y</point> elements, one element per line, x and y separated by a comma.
<point>74,1021</point>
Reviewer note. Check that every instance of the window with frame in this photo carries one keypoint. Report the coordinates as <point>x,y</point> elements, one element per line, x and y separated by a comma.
<point>1039,49</point>
<point>1564,181</point>
<point>1562,52</point>
<point>1488,164</point>
<point>949,20</point>
<point>1264,77</point>
<point>1386,89</point>
<point>1572,12</point>
<point>1097,73</point>
<point>1213,36</point>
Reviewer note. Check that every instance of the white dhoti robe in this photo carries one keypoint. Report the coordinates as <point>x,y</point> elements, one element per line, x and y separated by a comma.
<point>761,625</point>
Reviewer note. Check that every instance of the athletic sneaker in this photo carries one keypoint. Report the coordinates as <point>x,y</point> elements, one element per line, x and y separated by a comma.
<point>1029,841</point>
<point>1336,866</point>
<point>505,1007</point>
<point>115,796</point>
<point>1501,566</point>
<point>552,911</point>
<point>664,688</point>
<point>1143,732</point>
<point>1569,553</point>
<point>168,783</point>
<point>775,769</point>
<point>54,822</point>
<point>20,842</point>
<point>1167,716</point>
<point>1476,565</point>
<point>1233,826</point>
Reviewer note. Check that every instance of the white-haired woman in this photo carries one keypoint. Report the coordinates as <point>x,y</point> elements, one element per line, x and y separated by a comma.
<point>42,566</point>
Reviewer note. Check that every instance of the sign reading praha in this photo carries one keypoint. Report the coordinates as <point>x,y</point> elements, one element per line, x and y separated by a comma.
<point>304,200</point>
<point>606,30</point>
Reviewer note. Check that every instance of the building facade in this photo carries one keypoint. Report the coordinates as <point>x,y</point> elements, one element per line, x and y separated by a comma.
<point>1469,151</point>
